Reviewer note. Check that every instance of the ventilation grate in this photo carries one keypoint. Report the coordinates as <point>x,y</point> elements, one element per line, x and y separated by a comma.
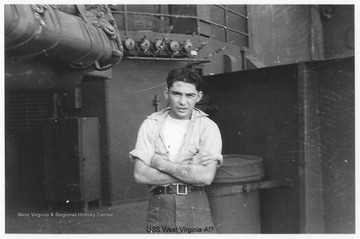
<point>27,112</point>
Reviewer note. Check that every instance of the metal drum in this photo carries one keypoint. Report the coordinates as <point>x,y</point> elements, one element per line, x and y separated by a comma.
<point>234,207</point>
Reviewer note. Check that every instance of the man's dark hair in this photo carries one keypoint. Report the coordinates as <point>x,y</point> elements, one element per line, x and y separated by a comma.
<point>187,75</point>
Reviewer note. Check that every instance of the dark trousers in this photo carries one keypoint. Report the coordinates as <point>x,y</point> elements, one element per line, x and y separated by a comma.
<point>172,213</point>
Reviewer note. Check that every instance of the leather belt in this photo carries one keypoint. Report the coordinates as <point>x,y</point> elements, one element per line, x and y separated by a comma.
<point>180,189</point>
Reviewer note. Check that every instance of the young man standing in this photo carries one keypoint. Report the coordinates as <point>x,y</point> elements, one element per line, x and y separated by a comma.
<point>177,153</point>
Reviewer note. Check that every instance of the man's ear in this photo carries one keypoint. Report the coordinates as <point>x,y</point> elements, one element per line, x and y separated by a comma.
<point>200,95</point>
<point>166,93</point>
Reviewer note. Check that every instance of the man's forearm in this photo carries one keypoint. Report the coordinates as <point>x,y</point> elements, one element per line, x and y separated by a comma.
<point>189,173</point>
<point>147,175</point>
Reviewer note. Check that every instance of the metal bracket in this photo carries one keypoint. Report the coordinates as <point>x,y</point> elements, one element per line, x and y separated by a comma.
<point>278,183</point>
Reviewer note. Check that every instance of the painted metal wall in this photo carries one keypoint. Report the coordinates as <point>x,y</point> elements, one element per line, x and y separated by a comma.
<point>281,34</point>
<point>300,119</point>
<point>257,115</point>
<point>285,34</point>
<point>338,30</point>
<point>337,122</point>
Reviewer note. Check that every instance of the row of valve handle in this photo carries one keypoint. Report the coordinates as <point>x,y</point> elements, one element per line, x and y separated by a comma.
<point>158,48</point>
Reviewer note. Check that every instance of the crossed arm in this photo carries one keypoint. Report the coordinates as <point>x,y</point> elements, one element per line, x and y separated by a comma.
<point>162,172</point>
<point>148,175</point>
<point>159,171</point>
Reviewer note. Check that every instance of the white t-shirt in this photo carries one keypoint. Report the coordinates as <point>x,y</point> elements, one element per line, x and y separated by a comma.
<point>174,134</point>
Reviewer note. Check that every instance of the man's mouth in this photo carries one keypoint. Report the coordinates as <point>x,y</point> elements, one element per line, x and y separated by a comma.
<point>182,109</point>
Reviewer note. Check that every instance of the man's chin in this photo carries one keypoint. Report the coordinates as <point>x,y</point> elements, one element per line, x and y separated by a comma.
<point>182,115</point>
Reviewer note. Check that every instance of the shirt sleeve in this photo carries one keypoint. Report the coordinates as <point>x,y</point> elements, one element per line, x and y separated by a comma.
<point>144,147</point>
<point>211,141</point>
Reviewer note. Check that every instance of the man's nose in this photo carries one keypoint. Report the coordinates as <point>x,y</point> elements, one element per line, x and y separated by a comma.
<point>182,100</point>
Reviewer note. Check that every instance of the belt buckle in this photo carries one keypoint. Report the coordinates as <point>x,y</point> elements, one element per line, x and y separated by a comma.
<point>178,191</point>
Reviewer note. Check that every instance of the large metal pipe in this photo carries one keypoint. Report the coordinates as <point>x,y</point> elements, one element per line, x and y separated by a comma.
<point>32,30</point>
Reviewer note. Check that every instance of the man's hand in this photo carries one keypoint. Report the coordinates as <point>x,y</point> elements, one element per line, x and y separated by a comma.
<point>188,171</point>
<point>156,161</point>
<point>149,175</point>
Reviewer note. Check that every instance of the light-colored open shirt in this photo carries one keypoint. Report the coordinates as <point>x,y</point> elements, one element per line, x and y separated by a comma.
<point>202,137</point>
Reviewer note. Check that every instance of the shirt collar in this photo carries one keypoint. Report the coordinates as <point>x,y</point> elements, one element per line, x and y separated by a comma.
<point>161,115</point>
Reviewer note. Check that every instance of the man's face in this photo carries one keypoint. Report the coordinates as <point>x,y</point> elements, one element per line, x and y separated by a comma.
<point>182,98</point>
